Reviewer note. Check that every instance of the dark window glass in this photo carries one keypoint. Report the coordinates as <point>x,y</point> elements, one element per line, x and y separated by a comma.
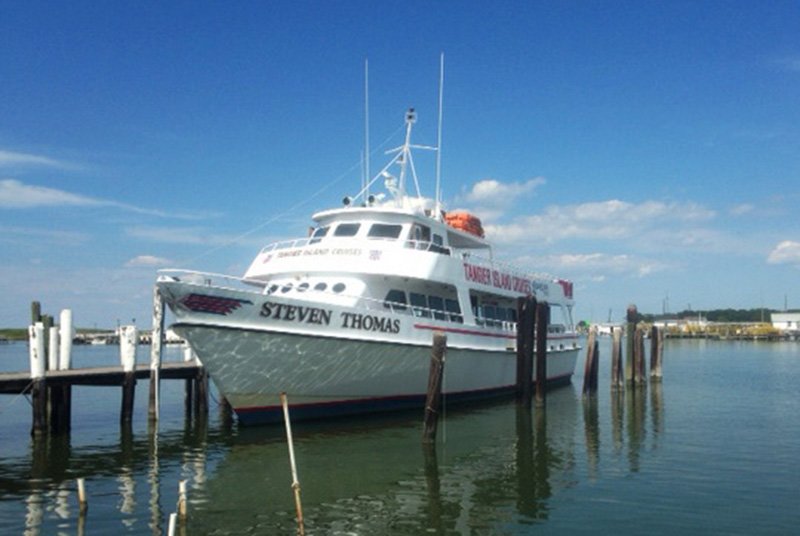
<point>321,286</point>
<point>395,300</point>
<point>437,305</point>
<point>384,230</point>
<point>319,232</point>
<point>302,287</point>
<point>347,229</point>
<point>286,288</point>
<point>338,287</point>
<point>419,304</point>
<point>454,311</point>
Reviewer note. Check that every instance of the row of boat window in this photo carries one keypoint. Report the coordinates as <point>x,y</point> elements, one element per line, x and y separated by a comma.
<point>419,237</point>
<point>338,288</point>
<point>424,306</point>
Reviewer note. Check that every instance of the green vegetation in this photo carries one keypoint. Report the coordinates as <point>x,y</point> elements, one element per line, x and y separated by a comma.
<point>719,315</point>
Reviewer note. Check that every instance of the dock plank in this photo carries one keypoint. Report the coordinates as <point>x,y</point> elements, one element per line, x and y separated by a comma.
<point>19,382</point>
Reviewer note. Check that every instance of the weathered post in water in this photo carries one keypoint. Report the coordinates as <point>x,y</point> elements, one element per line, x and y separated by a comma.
<point>617,381</point>
<point>591,366</point>
<point>128,337</point>
<point>39,386</point>
<point>656,352</point>
<point>301,530</point>
<point>526,319</point>
<point>157,339</point>
<point>542,323</point>
<point>638,352</point>
<point>63,418</point>
<point>433,399</point>
<point>630,335</point>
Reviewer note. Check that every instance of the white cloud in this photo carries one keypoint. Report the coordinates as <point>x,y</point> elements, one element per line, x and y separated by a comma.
<point>18,195</point>
<point>11,159</point>
<point>787,252</point>
<point>15,194</point>
<point>597,265</point>
<point>490,198</point>
<point>604,220</point>
<point>188,236</point>
<point>148,261</point>
<point>23,235</point>
<point>741,209</point>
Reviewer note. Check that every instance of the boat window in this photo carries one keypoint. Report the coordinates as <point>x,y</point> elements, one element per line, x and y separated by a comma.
<point>318,233</point>
<point>272,288</point>
<point>321,286</point>
<point>338,287</point>
<point>437,305</point>
<point>347,229</point>
<point>395,300</point>
<point>302,287</point>
<point>384,230</point>
<point>454,310</point>
<point>438,240</point>
<point>286,288</point>
<point>419,304</point>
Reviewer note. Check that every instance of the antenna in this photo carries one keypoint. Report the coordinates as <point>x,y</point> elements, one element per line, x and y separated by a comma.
<point>439,141</point>
<point>366,128</point>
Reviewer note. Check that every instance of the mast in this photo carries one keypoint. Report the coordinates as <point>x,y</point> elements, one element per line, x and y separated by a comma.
<point>438,203</point>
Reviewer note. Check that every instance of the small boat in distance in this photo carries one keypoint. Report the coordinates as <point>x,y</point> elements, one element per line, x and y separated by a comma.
<point>342,320</point>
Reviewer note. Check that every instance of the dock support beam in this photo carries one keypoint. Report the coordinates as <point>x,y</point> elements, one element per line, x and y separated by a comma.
<point>630,334</point>
<point>39,384</point>
<point>433,400</point>
<point>591,365</point>
<point>155,353</point>
<point>526,321</point>
<point>542,323</point>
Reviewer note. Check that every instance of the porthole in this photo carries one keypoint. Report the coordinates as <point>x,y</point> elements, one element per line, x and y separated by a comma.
<point>338,287</point>
<point>272,289</point>
<point>286,288</point>
<point>321,286</point>
<point>302,287</point>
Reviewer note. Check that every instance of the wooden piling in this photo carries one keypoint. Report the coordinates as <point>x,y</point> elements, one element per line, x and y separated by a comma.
<point>638,353</point>
<point>526,320</point>
<point>155,354</point>
<point>617,379</point>
<point>83,503</point>
<point>433,400</point>
<point>182,499</point>
<point>39,384</point>
<point>201,392</point>
<point>542,323</point>
<point>630,333</point>
<point>36,312</point>
<point>295,482</point>
<point>656,352</point>
<point>590,368</point>
<point>128,338</point>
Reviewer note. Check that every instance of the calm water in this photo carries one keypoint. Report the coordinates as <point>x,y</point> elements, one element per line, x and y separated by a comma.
<point>713,450</point>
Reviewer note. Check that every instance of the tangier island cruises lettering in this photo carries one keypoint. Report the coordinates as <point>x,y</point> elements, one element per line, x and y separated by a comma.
<point>342,319</point>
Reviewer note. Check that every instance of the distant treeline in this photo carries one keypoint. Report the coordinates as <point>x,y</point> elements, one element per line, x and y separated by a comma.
<point>719,315</point>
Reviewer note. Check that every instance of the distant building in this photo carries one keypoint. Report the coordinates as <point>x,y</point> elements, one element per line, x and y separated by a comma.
<point>786,321</point>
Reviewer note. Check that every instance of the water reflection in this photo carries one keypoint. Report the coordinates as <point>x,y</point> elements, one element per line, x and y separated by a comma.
<point>500,466</point>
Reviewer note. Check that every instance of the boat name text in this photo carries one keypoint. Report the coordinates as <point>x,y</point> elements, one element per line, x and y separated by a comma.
<point>498,279</point>
<point>316,315</point>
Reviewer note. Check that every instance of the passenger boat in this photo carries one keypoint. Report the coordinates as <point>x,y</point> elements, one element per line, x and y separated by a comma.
<point>342,320</point>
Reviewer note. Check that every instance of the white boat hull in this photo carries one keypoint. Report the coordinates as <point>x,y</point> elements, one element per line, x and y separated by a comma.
<point>329,371</point>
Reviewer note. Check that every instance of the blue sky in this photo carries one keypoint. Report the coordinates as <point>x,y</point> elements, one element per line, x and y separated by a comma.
<point>649,151</point>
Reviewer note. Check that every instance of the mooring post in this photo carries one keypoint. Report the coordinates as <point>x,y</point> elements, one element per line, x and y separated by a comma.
<point>182,499</point>
<point>295,482</point>
<point>155,353</point>
<point>201,390</point>
<point>526,318</point>
<point>433,399</point>
<point>641,376</point>
<point>617,380</point>
<point>590,367</point>
<point>36,312</point>
<point>630,333</point>
<point>542,324</point>
<point>66,333</point>
<point>39,385</point>
<point>83,504</point>
<point>55,393</point>
<point>128,337</point>
<point>656,352</point>
<point>188,397</point>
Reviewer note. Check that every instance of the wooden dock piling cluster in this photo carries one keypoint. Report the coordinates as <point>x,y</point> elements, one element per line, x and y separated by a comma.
<point>51,377</point>
<point>634,373</point>
<point>532,322</point>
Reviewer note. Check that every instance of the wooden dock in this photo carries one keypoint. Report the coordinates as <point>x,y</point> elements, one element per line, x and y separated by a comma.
<point>20,382</point>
